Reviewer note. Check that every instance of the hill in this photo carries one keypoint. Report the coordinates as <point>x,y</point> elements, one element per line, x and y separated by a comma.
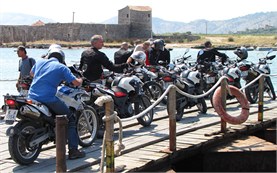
<point>21,19</point>
<point>202,26</point>
<point>160,26</point>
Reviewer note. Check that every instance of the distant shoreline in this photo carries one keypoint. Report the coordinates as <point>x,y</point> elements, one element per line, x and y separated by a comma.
<point>223,42</point>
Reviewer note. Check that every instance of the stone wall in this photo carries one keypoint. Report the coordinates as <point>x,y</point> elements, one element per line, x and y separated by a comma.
<point>63,32</point>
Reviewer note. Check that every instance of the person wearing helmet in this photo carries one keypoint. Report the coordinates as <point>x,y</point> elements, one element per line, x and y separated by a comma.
<point>208,54</point>
<point>241,53</point>
<point>92,61</point>
<point>47,74</point>
<point>159,53</point>
<point>145,46</point>
<point>139,58</point>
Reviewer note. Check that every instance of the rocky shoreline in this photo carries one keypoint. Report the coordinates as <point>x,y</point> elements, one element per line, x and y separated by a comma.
<point>117,45</point>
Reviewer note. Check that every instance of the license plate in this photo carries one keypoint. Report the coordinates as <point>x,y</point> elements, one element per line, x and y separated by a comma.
<point>11,114</point>
<point>210,80</point>
<point>244,73</point>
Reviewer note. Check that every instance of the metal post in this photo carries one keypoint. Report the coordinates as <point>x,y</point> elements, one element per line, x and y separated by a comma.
<point>109,108</point>
<point>61,129</point>
<point>172,118</point>
<point>223,100</point>
<point>261,99</point>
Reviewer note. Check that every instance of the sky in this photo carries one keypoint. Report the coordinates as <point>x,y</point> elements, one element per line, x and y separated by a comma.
<point>96,11</point>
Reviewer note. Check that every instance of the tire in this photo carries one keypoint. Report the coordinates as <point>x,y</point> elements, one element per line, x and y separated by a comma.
<point>201,105</point>
<point>19,151</point>
<point>252,93</point>
<point>179,112</point>
<point>152,90</point>
<point>271,91</point>
<point>141,105</point>
<point>86,136</point>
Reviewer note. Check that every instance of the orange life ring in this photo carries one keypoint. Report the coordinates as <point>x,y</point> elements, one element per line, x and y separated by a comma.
<point>223,114</point>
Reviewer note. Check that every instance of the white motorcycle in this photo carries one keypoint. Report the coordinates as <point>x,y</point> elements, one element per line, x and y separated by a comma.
<point>36,125</point>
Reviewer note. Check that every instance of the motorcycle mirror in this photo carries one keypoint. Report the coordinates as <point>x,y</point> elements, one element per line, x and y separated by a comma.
<point>271,50</point>
<point>84,68</point>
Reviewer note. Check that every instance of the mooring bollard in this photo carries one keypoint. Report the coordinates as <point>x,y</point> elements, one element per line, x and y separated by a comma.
<point>223,100</point>
<point>261,99</point>
<point>61,129</point>
<point>109,108</point>
<point>172,118</point>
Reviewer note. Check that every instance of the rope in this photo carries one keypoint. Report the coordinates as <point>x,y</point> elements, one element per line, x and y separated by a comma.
<point>201,95</point>
<point>120,146</point>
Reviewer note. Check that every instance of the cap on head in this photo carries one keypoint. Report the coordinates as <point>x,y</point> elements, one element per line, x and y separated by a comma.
<point>21,48</point>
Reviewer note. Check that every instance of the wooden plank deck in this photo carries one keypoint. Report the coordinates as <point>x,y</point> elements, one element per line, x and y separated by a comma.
<point>144,146</point>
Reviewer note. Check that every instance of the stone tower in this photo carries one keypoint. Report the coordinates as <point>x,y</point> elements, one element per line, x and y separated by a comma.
<point>139,18</point>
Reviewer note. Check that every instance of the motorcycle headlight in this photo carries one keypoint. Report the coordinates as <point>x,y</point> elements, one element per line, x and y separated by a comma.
<point>85,98</point>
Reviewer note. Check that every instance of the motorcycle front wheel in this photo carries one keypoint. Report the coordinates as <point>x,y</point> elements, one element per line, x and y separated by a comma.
<point>87,126</point>
<point>140,105</point>
<point>19,148</point>
<point>201,105</point>
<point>270,91</point>
<point>153,90</point>
<point>252,93</point>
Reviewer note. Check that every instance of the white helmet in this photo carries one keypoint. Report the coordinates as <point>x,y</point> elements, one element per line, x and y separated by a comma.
<point>52,46</point>
<point>139,57</point>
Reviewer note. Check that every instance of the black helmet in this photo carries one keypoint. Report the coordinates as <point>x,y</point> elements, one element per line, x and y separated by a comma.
<point>159,44</point>
<point>56,53</point>
<point>241,53</point>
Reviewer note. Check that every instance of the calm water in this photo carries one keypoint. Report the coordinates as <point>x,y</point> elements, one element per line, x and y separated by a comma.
<point>9,63</point>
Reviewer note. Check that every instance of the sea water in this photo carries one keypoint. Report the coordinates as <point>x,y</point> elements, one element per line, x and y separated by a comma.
<point>9,63</point>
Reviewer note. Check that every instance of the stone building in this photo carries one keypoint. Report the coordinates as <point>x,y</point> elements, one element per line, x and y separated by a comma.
<point>133,22</point>
<point>139,19</point>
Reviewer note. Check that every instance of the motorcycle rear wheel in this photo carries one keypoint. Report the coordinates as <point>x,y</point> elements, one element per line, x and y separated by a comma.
<point>19,150</point>
<point>201,105</point>
<point>141,105</point>
<point>86,136</point>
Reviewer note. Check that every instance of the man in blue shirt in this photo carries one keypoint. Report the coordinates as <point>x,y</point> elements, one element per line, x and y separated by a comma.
<point>48,74</point>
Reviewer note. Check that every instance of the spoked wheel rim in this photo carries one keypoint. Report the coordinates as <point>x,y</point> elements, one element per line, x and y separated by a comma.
<point>86,135</point>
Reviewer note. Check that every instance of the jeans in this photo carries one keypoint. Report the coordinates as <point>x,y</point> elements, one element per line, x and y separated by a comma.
<point>59,108</point>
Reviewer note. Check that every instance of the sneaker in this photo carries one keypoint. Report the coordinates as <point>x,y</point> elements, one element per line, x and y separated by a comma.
<point>75,154</point>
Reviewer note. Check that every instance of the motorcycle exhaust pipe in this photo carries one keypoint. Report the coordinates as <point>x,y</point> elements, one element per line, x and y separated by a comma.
<point>29,111</point>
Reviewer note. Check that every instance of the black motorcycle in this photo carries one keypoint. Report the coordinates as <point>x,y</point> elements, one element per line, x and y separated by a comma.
<point>129,98</point>
<point>250,71</point>
<point>189,82</point>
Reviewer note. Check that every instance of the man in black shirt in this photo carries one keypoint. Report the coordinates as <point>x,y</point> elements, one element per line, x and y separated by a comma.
<point>159,53</point>
<point>92,60</point>
<point>208,54</point>
<point>122,54</point>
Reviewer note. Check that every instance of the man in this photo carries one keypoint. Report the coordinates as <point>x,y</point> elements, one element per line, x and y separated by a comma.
<point>141,47</point>
<point>25,64</point>
<point>48,73</point>
<point>122,54</point>
<point>92,61</point>
<point>208,54</point>
<point>159,53</point>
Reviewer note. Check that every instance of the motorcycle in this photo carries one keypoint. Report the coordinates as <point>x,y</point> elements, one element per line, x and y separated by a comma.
<point>24,85</point>
<point>250,71</point>
<point>189,82</point>
<point>129,98</point>
<point>36,125</point>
